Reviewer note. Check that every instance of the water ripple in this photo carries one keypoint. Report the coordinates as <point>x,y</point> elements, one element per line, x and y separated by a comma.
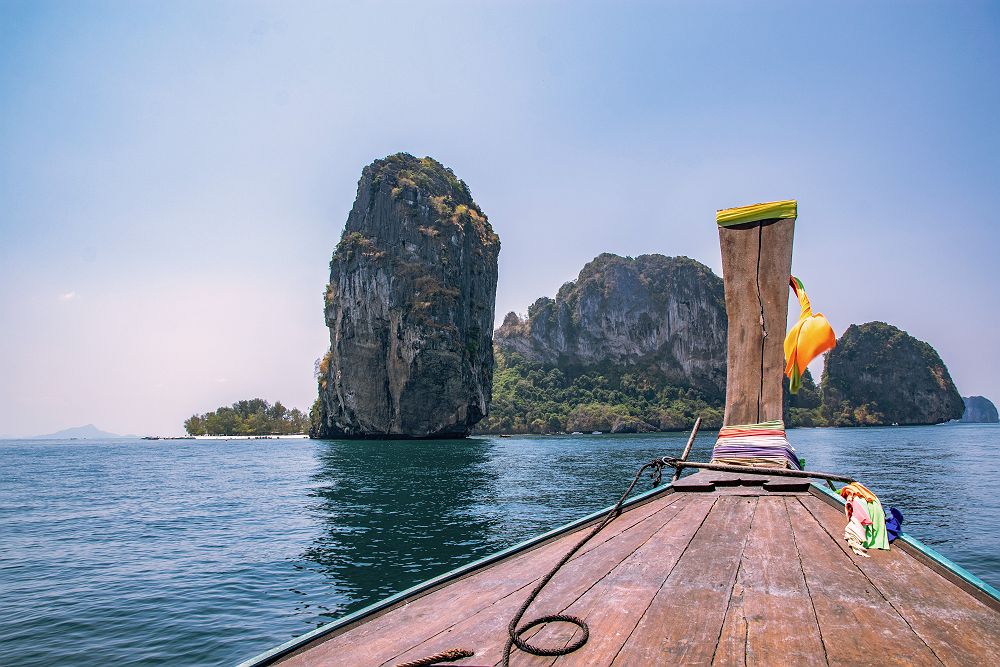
<point>204,553</point>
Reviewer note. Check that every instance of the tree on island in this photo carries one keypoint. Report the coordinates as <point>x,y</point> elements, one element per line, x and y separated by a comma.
<point>253,417</point>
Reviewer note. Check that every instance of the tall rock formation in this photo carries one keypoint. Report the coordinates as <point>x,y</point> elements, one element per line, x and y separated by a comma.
<point>979,409</point>
<point>879,375</point>
<point>651,311</point>
<point>410,308</point>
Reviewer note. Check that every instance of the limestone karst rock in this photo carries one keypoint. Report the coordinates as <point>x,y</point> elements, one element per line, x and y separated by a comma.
<point>667,312</point>
<point>879,374</point>
<point>979,409</point>
<point>409,307</point>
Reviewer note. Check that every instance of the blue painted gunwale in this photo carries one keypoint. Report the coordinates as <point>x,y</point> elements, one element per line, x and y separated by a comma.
<point>269,656</point>
<point>943,562</point>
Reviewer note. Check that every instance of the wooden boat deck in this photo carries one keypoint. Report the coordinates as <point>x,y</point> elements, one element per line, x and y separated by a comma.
<point>713,571</point>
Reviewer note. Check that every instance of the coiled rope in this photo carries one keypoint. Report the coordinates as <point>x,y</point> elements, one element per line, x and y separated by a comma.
<point>514,632</point>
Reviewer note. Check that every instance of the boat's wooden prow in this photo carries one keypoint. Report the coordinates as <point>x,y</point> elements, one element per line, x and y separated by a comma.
<point>749,572</point>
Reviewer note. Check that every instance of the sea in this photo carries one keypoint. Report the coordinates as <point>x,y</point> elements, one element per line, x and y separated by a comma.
<point>186,552</point>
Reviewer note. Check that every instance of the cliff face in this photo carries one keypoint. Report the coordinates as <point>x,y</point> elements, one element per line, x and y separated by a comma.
<point>879,374</point>
<point>664,312</point>
<point>979,409</point>
<point>409,307</point>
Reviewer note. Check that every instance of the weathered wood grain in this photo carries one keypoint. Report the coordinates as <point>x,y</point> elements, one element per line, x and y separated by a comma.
<point>857,624</point>
<point>769,597</point>
<point>613,606</point>
<point>403,627</point>
<point>775,269</point>
<point>745,483</point>
<point>698,578</point>
<point>684,619</point>
<point>960,629</point>
<point>756,264</point>
<point>744,354</point>
<point>485,632</point>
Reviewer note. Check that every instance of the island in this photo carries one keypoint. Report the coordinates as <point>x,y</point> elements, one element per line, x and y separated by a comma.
<point>639,344</point>
<point>409,307</point>
<point>253,417</point>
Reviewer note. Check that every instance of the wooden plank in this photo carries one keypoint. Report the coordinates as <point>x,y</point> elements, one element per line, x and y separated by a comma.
<point>756,264</point>
<point>683,621</point>
<point>750,483</point>
<point>613,606</point>
<point>485,632</point>
<point>787,484</point>
<point>857,624</point>
<point>750,491</point>
<point>960,629</point>
<point>700,481</point>
<point>732,645</point>
<point>775,269</point>
<point>403,627</point>
<point>928,557</point>
<point>771,619</point>
<point>740,246</point>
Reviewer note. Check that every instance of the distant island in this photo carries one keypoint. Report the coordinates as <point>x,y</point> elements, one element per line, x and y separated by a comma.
<point>86,432</point>
<point>249,417</point>
<point>979,410</point>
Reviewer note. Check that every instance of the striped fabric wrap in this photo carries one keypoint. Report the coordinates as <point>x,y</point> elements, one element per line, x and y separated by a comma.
<point>762,445</point>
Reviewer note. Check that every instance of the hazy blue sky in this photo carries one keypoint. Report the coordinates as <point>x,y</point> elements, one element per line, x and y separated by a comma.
<point>174,176</point>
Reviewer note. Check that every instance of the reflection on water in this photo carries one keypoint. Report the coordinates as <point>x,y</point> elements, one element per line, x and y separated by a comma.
<point>394,513</point>
<point>391,511</point>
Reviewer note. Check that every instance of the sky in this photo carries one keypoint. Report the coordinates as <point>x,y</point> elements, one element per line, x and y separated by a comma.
<point>174,176</point>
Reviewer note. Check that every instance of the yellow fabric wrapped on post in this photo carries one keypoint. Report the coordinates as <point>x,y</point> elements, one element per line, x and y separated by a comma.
<point>811,336</point>
<point>775,210</point>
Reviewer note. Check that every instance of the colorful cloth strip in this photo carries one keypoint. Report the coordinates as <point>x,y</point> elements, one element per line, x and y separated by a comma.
<point>727,217</point>
<point>811,336</point>
<point>875,535</point>
<point>762,445</point>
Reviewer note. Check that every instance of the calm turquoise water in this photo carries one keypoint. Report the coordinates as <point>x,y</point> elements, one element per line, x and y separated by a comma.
<point>187,552</point>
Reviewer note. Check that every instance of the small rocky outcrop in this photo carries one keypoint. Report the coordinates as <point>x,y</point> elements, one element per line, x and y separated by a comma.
<point>979,409</point>
<point>880,375</point>
<point>409,307</point>
<point>668,313</point>
<point>632,425</point>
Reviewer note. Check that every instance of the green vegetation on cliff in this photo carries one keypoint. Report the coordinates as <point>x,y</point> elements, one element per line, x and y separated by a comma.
<point>805,407</point>
<point>253,417</point>
<point>879,374</point>
<point>531,397</point>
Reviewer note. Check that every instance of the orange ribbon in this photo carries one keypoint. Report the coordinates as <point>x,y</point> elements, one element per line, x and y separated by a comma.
<point>811,336</point>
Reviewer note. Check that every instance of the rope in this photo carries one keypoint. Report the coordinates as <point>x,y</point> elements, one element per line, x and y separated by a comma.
<point>515,632</point>
<point>444,656</point>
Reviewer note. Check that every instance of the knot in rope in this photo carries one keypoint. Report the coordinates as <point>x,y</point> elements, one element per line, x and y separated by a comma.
<point>444,656</point>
